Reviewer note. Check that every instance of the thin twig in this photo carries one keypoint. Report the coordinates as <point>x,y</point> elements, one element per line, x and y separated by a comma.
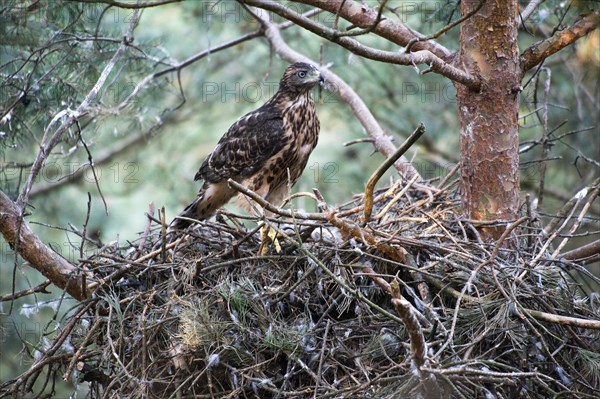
<point>41,288</point>
<point>321,358</point>
<point>369,28</point>
<point>85,224</point>
<point>384,167</point>
<point>584,210</point>
<point>149,216</point>
<point>435,63</point>
<point>528,10</point>
<point>445,28</point>
<point>545,136</point>
<point>272,208</point>
<point>163,234</point>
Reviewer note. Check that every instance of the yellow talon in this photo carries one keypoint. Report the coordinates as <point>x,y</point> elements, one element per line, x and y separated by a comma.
<point>268,234</point>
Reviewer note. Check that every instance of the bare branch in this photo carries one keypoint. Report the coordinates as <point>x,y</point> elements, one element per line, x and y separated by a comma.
<point>41,288</point>
<point>41,257</point>
<point>527,11</point>
<point>564,320</point>
<point>362,16</point>
<point>418,346</point>
<point>582,254</point>
<point>368,29</point>
<point>592,197</point>
<point>435,63</point>
<point>545,48</point>
<point>536,314</point>
<point>385,166</point>
<point>272,208</point>
<point>179,66</point>
<point>446,28</point>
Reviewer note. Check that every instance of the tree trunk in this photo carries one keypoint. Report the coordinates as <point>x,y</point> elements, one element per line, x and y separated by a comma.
<point>489,136</point>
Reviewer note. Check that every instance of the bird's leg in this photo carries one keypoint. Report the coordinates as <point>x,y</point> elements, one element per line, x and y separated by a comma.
<point>268,234</point>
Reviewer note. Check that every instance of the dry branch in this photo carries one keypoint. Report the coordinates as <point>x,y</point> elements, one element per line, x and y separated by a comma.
<point>385,166</point>
<point>434,62</point>
<point>417,340</point>
<point>565,320</point>
<point>583,253</point>
<point>19,236</point>
<point>41,288</point>
<point>528,10</point>
<point>272,208</point>
<point>362,16</point>
<point>543,49</point>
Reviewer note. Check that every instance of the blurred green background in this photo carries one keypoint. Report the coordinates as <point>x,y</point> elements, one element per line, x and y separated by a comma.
<point>172,137</point>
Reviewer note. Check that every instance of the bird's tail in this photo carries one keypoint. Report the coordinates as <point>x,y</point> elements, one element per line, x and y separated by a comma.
<point>210,198</point>
<point>190,212</point>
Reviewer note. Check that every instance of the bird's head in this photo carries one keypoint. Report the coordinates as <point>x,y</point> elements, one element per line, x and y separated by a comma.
<point>300,77</point>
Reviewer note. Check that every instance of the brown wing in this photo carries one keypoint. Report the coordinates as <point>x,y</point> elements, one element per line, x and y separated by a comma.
<point>246,146</point>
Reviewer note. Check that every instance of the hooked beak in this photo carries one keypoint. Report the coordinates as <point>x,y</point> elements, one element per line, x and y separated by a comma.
<point>316,75</point>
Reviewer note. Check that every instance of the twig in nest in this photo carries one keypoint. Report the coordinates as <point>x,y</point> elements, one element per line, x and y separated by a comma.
<point>321,357</point>
<point>418,345</point>
<point>378,198</point>
<point>299,195</point>
<point>120,272</point>
<point>566,212</point>
<point>585,254</point>
<point>505,234</point>
<point>385,166</point>
<point>389,289</point>
<point>472,277</point>
<point>396,198</point>
<point>355,293</point>
<point>163,233</point>
<point>452,172</point>
<point>272,208</point>
<point>85,224</point>
<point>577,223</point>
<point>82,347</point>
<point>149,215</point>
<point>348,227</point>
<point>564,320</point>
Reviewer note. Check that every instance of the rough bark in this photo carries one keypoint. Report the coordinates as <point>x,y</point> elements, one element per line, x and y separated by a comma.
<point>41,257</point>
<point>489,118</point>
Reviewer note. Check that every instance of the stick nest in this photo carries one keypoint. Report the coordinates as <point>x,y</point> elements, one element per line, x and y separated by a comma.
<point>410,305</point>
